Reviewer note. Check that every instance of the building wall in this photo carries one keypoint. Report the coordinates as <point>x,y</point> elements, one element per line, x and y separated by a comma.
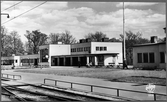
<point>80,45</point>
<point>112,47</point>
<point>156,49</point>
<point>162,48</point>
<point>17,58</point>
<point>108,59</point>
<point>58,49</point>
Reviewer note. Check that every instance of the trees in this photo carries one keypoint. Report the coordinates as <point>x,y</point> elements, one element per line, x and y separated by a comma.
<point>67,38</point>
<point>97,36</point>
<point>11,43</point>
<point>114,40</point>
<point>64,37</point>
<point>130,41</point>
<point>35,39</point>
<point>3,36</point>
<point>54,38</point>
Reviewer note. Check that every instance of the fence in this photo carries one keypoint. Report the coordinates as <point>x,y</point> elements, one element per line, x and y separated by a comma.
<point>10,76</point>
<point>92,86</point>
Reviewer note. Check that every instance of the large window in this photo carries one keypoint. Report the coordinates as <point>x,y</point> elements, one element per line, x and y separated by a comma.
<point>162,57</point>
<point>151,57</point>
<point>139,57</point>
<point>44,53</point>
<point>145,57</point>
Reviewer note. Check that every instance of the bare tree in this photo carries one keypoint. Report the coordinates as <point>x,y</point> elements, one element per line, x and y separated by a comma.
<point>54,38</point>
<point>130,41</point>
<point>36,38</point>
<point>96,36</point>
<point>3,37</point>
<point>13,44</point>
<point>67,38</point>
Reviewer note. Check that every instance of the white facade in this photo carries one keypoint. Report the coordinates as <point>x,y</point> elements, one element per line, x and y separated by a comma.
<point>112,48</point>
<point>109,52</point>
<point>13,60</point>
<point>54,50</point>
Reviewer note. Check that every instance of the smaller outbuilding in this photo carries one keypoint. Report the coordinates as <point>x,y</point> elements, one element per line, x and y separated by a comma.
<point>151,55</point>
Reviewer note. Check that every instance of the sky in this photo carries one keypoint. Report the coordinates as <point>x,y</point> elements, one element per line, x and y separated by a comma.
<point>82,18</point>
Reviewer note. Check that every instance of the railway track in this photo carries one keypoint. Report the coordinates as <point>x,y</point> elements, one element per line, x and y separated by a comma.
<point>30,92</point>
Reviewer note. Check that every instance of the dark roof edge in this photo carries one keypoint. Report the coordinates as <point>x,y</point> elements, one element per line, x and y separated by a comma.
<point>149,44</point>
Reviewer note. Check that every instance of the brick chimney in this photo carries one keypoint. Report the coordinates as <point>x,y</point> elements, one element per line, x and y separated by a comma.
<point>154,39</point>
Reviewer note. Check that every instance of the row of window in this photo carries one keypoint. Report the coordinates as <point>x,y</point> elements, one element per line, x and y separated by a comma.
<point>101,48</point>
<point>150,57</point>
<point>27,61</point>
<point>81,49</point>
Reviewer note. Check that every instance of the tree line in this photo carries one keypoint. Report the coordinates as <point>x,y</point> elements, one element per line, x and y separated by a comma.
<point>11,42</point>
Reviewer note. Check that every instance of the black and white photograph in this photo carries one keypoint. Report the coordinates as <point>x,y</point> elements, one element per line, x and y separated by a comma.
<point>83,50</point>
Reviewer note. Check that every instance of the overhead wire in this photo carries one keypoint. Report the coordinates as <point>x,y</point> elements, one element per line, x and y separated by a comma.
<point>25,12</point>
<point>12,6</point>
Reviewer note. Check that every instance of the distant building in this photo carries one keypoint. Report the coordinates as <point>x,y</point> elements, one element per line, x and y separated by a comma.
<point>23,60</point>
<point>150,55</point>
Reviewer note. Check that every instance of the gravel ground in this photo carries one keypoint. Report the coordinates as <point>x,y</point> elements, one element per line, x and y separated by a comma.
<point>137,76</point>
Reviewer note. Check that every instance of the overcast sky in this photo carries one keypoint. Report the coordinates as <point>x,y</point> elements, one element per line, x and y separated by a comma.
<point>81,18</point>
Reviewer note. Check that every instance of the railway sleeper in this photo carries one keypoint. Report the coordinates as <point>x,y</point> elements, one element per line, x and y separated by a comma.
<point>45,95</point>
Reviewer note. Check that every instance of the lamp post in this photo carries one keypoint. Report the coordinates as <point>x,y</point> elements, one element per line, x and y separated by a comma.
<point>6,14</point>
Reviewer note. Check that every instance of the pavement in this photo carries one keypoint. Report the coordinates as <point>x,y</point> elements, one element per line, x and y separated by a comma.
<point>35,78</point>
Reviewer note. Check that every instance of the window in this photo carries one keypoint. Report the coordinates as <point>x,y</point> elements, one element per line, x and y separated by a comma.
<point>145,57</point>
<point>139,57</point>
<point>151,57</point>
<point>16,61</point>
<point>162,57</point>
<point>71,50</point>
<point>77,49</point>
<point>97,48</point>
<point>105,48</point>
<point>84,48</point>
<point>88,48</point>
<point>101,48</point>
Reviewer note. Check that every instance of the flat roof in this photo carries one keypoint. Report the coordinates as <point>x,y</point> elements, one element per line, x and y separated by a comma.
<point>85,54</point>
<point>95,42</point>
<point>149,44</point>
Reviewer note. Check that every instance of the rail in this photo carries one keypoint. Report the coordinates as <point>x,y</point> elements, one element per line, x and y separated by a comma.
<point>3,75</point>
<point>92,86</point>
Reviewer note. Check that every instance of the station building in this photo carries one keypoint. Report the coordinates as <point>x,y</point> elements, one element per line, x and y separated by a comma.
<point>96,53</point>
<point>150,55</point>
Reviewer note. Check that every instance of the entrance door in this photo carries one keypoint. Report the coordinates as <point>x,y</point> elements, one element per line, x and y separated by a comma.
<point>83,61</point>
<point>55,61</point>
<point>35,62</point>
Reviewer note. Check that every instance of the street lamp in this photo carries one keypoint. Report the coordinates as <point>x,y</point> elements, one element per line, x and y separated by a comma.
<point>5,14</point>
<point>47,56</point>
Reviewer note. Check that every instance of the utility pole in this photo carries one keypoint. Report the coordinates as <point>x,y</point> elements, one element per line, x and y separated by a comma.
<point>124,37</point>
